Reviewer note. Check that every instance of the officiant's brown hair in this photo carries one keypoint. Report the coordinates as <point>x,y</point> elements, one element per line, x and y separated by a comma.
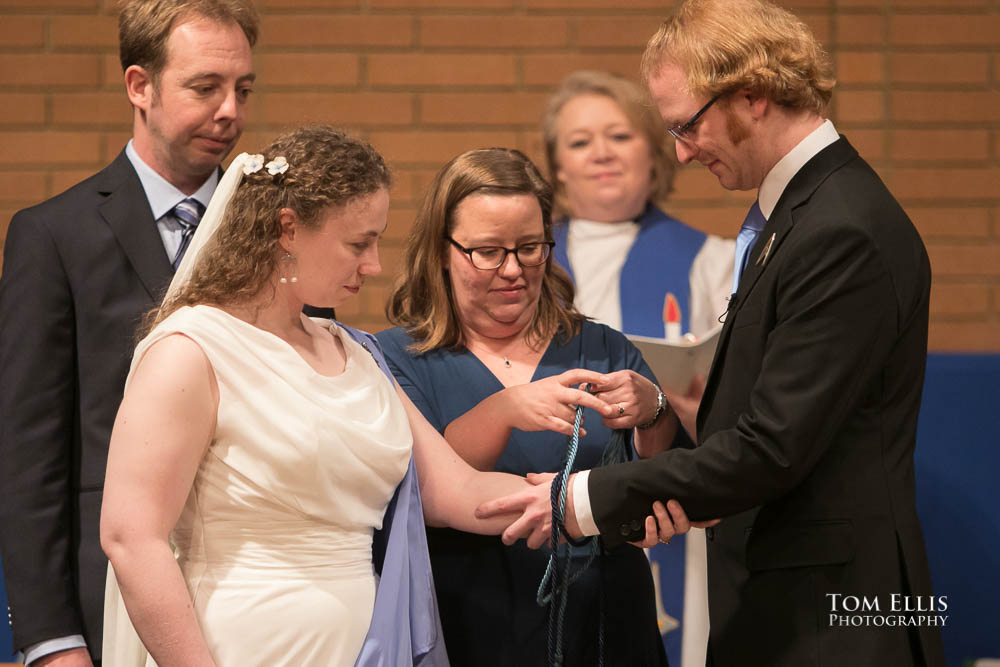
<point>145,25</point>
<point>421,298</point>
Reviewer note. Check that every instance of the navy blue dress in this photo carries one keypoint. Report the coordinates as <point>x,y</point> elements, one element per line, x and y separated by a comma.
<point>486,591</point>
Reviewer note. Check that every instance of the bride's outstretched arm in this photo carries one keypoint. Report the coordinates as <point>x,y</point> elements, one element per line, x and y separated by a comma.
<point>161,433</point>
<point>449,487</point>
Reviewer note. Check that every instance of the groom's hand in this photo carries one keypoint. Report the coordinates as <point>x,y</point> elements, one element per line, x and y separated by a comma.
<point>668,520</point>
<point>535,523</point>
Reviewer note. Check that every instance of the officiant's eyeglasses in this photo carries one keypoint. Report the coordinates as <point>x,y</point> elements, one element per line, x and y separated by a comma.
<point>681,131</point>
<point>489,257</point>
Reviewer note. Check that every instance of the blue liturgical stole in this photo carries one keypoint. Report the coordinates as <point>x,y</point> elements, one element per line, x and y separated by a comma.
<point>658,262</point>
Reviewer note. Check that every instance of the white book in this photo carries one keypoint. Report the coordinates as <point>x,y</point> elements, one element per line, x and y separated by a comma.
<point>675,364</point>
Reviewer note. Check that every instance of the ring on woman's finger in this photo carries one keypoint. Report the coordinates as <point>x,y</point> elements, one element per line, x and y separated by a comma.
<point>665,541</point>
<point>621,410</point>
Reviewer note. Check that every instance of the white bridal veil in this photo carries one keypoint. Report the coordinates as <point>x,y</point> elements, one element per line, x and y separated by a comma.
<point>122,646</point>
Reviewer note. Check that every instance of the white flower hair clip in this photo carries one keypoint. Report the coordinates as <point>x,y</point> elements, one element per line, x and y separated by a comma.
<point>278,165</point>
<point>253,164</point>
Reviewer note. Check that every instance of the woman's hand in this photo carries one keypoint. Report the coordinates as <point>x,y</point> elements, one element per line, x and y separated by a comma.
<point>550,404</point>
<point>533,510</point>
<point>631,397</point>
<point>480,435</point>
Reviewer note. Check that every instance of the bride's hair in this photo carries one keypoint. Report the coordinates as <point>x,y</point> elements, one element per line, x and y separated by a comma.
<point>326,168</point>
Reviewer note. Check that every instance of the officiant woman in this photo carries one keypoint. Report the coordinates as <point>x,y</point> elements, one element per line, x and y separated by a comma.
<point>491,349</point>
<point>611,160</point>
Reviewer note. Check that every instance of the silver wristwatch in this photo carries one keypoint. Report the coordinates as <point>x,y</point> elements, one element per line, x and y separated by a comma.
<point>661,404</point>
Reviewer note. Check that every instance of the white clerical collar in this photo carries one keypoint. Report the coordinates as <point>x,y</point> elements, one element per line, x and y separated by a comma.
<point>160,193</point>
<point>592,229</point>
<point>781,174</point>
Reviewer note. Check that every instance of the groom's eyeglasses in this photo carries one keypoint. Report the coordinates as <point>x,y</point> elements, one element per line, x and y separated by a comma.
<point>681,131</point>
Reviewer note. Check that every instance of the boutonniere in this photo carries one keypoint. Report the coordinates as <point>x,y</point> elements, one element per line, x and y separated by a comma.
<point>766,252</point>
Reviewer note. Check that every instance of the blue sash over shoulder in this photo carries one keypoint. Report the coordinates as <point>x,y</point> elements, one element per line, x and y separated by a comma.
<point>405,628</point>
<point>658,262</point>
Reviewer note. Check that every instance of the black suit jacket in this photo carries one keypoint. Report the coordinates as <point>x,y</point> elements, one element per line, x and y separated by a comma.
<point>79,272</point>
<point>809,415</point>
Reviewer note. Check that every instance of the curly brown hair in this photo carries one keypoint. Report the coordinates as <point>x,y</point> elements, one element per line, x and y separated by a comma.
<point>728,45</point>
<point>421,298</point>
<point>326,168</point>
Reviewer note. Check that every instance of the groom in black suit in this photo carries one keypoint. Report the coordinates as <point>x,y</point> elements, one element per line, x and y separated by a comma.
<point>810,410</point>
<point>79,272</point>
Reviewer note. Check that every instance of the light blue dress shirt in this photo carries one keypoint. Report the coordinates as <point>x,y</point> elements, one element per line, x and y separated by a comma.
<point>163,196</point>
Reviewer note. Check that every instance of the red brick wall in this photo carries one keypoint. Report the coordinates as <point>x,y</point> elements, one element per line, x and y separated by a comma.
<point>919,95</point>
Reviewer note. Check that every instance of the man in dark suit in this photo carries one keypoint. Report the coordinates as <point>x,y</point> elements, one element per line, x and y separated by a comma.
<point>810,410</point>
<point>79,272</point>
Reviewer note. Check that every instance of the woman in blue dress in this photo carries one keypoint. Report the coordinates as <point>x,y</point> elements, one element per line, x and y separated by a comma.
<point>492,351</point>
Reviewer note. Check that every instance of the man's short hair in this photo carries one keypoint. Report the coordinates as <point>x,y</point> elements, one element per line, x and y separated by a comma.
<point>145,25</point>
<point>728,45</point>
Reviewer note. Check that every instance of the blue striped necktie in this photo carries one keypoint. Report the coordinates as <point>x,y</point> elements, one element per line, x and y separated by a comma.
<point>745,240</point>
<point>188,213</point>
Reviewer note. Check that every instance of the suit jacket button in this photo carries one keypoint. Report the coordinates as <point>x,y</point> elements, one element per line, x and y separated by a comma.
<point>624,530</point>
<point>710,533</point>
<point>636,525</point>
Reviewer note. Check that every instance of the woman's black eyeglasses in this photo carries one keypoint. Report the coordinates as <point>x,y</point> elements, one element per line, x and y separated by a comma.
<point>489,257</point>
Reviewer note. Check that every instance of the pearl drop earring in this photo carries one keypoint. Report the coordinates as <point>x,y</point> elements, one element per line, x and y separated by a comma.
<point>289,257</point>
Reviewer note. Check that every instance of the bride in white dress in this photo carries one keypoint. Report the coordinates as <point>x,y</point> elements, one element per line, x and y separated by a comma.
<point>264,444</point>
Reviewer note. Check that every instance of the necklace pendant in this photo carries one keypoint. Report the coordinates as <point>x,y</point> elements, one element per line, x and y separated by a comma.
<point>506,362</point>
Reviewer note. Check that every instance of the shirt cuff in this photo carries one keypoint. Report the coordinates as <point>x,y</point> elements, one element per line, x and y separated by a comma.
<point>49,646</point>
<point>581,504</point>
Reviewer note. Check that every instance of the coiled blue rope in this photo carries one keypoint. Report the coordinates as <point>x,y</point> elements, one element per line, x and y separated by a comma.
<point>559,574</point>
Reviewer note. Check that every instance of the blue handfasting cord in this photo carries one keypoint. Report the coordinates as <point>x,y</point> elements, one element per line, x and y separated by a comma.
<point>554,588</point>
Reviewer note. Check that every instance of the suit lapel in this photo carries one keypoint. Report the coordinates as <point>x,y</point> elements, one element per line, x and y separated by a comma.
<point>799,189</point>
<point>773,234</point>
<point>126,211</point>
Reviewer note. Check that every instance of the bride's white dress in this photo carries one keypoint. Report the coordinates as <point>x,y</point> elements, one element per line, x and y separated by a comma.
<point>274,541</point>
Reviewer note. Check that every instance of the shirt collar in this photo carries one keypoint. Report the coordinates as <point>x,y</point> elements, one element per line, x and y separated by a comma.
<point>160,193</point>
<point>781,174</point>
